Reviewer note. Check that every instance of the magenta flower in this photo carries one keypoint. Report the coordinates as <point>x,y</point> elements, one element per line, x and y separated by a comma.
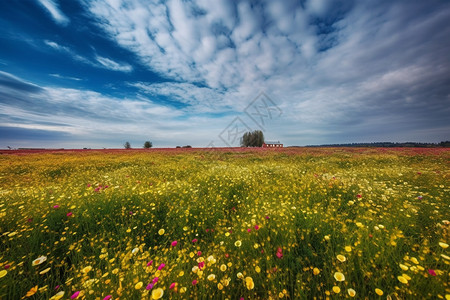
<point>199,253</point>
<point>194,282</point>
<point>172,285</point>
<point>69,214</point>
<point>279,252</point>
<point>256,227</point>
<point>155,280</point>
<point>56,206</point>
<point>174,243</point>
<point>431,272</point>
<point>161,266</point>
<point>201,265</point>
<point>107,297</point>
<point>267,217</point>
<point>75,295</point>
<point>194,240</point>
<point>88,185</point>
<point>149,286</point>
<point>249,230</point>
<point>149,263</point>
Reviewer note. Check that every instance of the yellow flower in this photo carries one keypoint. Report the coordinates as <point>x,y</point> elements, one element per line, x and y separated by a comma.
<point>447,297</point>
<point>44,271</point>
<point>58,296</point>
<point>341,258</point>
<point>348,248</point>
<point>351,292</point>
<point>403,267</point>
<point>316,271</point>
<point>3,273</point>
<point>157,293</point>
<point>219,286</point>
<point>379,292</point>
<point>39,260</point>
<point>339,276</point>
<point>239,275</point>
<point>238,243</point>
<point>336,289</point>
<point>445,256</point>
<point>86,269</point>
<point>161,232</point>
<point>211,277</point>
<point>402,279</point>
<point>181,274</point>
<point>249,283</point>
<point>138,285</point>
<point>414,260</point>
<point>443,245</point>
<point>257,269</point>
<point>406,277</point>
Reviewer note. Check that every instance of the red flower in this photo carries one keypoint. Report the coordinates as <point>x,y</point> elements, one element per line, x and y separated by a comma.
<point>201,265</point>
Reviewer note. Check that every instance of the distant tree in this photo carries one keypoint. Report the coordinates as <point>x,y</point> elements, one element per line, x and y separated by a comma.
<point>148,144</point>
<point>252,139</point>
<point>127,145</point>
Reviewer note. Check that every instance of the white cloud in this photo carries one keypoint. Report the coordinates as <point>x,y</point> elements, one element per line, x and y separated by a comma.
<point>100,62</point>
<point>55,12</point>
<point>112,65</point>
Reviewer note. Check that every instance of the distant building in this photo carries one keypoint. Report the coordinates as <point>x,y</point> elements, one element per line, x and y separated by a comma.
<point>272,144</point>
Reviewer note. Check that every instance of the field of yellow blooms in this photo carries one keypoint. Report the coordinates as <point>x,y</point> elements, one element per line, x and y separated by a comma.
<point>225,224</point>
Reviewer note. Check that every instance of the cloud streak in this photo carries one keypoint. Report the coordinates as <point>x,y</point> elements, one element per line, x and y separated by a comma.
<point>55,12</point>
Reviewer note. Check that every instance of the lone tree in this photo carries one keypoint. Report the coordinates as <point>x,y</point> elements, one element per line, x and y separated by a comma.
<point>127,145</point>
<point>148,144</point>
<point>252,139</point>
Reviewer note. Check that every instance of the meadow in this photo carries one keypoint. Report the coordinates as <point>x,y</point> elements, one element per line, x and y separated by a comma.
<point>307,223</point>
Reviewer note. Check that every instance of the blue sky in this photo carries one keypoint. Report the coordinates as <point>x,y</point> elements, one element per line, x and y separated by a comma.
<point>97,73</point>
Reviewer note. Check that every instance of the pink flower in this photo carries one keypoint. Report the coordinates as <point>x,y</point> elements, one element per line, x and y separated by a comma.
<point>172,285</point>
<point>279,252</point>
<point>267,217</point>
<point>56,206</point>
<point>207,230</point>
<point>249,230</point>
<point>174,243</point>
<point>57,287</point>
<point>194,282</point>
<point>155,280</point>
<point>107,297</point>
<point>161,266</point>
<point>201,265</point>
<point>75,295</point>
<point>358,196</point>
<point>194,240</point>
<point>227,255</point>
<point>256,227</point>
<point>149,286</point>
<point>69,214</point>
<point>431,272</point>
<point>199,253</point>
<point>88,185</point>
<point>149,263</point>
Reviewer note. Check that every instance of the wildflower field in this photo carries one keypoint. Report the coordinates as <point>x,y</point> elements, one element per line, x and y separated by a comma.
<point>225,224</point>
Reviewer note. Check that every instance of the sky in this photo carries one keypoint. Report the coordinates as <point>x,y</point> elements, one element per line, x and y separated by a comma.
<point>98,73</point>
